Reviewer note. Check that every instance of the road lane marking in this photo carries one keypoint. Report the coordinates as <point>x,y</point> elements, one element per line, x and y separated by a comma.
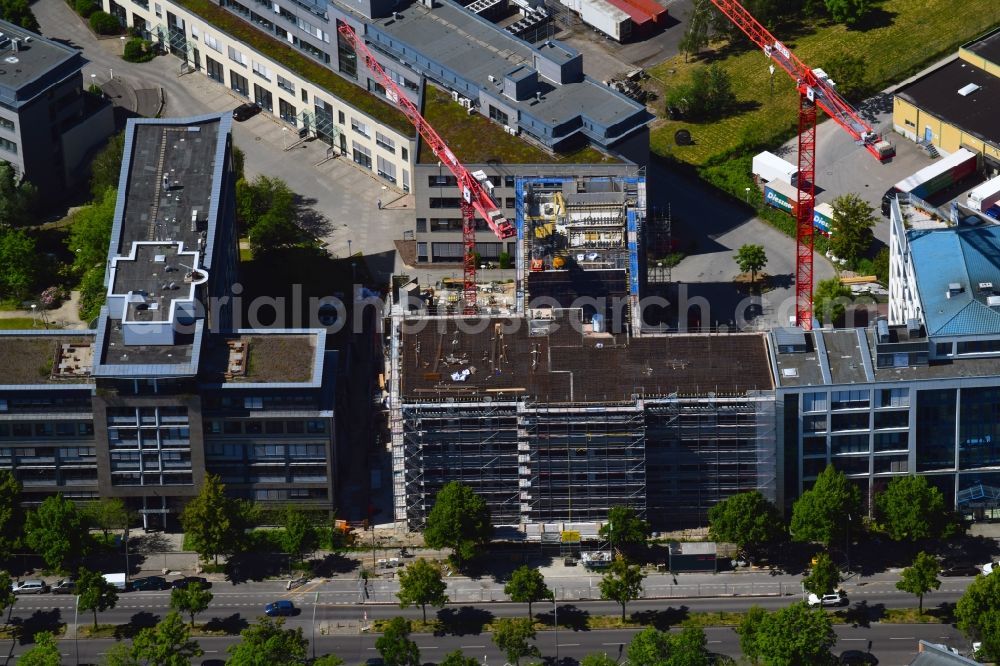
<point>474,647</point>
<point>569,645</point>
<point>902,638</point>
<point>620,643</point>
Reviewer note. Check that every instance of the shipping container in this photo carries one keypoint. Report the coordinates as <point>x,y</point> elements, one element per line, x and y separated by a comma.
<point>943,173</point>
<point>823,218</point>
<point>607,18</point>
<point>984,196</point>
<point>768,166</point>
<point>782,196</point>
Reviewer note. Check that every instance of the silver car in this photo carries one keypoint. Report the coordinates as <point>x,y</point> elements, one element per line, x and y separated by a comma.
<point>30,586</point>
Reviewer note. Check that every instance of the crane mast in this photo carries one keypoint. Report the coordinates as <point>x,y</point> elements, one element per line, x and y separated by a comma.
<point>814,89</point>
<point>475,196</point>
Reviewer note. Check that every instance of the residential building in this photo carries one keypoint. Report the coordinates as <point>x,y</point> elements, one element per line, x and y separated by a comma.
<point>48,124</point>
<point>954,105</point>
<point>167,389</point>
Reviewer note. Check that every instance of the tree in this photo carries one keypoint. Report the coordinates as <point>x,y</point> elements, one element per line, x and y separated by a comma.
<point>824,577</point>
<point>880,266</point>
<point>300,535</point>
<point>911,509</point>
<point>120,654</point>
<point>106,514</point>
<point>593,659</point>
<point>851,227</point>
<point>7,596</point>
<point>191,600</point>
<point>106,166</point>
<point>104,23</point>
<point>167,644</point>
<point>978,615</point>
<point>11,514</point>
<point>792,636</point>
<point>44,653</point>
<point>57,531</point>
<point>830,300</point>
<point>624,528</point>
<point>459,520</point>
<point>94,593</point>
<point>275,230</point>
<point>17,197</point>
<point>267,643</point>
<point>527,585</point>
<point>848,70</point>
<point>652,647</point>
<point>920,577</point>
<point>458,658</point>
<point>847,12</point>
<point>511,636</point>
<point>751,258</point>
<point>821,514</point>
<point>622,583</point>
<point>395,646</point>
<point>420,583</point>
<point>747,519</point>
<point>333,660</point>
<point>211,521</point>
<point>18,263</point>
<point>90,230</point>
<point>19,13</point>
<point>707,96</point>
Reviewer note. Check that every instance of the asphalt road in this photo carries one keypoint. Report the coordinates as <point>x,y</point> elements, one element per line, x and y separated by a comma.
<point>893,645</point>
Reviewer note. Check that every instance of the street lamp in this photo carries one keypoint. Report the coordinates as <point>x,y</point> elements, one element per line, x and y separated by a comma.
<point>76,628</point>
<point>555,622</point>
<point>284,138</point>
<point>747,189</point>
<point>315,601</point>
<point>34,315</point>
<point>348,247</point>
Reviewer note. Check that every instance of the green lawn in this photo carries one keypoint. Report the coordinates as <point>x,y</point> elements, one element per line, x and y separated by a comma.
<point>22,323</point>
<point>476,140</point>
<point>912,34</point>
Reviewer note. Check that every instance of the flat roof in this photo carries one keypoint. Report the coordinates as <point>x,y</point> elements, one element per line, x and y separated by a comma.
<point>32,60</point>
<point>937,94</point>
<point>988,47</point>
<point>156,272</point>
<point>262,357</point>
<point>962,255</point>
<point>49,357</point>
<point>556,361</point>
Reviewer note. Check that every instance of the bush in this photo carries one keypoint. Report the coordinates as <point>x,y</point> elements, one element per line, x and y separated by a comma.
<point>85,7</point>
<point>138,50</point>
<point>104,23</point>
<point>506,261</point>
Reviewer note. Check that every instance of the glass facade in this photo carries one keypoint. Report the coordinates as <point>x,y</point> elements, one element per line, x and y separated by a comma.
<point>936,429</point>
<point>979,428</point>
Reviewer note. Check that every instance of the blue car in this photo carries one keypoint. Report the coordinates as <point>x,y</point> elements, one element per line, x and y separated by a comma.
<point>282,607</point>
<point>994,211</point>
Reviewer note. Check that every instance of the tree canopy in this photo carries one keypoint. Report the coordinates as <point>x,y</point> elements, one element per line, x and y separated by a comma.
<point>920,577</point>
<point>57,531</point>
<point>624,528</point>
<point>751,258</point>
<point>420,583</point>
<point>824,576</point>
<point>978,615</point>
<point>18,263</point>
<point>459,520</point>
<point>747,519</point>
<point>266,643</point>
<point>266,210</point>
<point>527,585</point>
<point>94,593</point>
<point>11,513</point>
<point>822,513</point>
<point>651,647</point>
<point>89,240</point>
<point>513,636</point>
<point>212,522</point>
<point>45,652</point>
<point>910,509</point>
<point>300,535</point>
<point>395,646</point>
<point>107,514</point>
<point>622,583</point>
<point>167,644</point>
<point>791,636</point>
<point>192,600</point>
<point>830,300</point>
<point>106,167</point>
<point>707,95</point>
<point>458,658</point>
<point>848,12</point>
<point>17,196</point>
<point>851,227</point>
<point>7,596</point>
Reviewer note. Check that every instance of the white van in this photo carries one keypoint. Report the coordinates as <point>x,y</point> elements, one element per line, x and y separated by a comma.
<point>116,579</point>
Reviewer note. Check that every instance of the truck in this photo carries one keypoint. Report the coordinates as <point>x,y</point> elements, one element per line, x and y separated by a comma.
<point>984,196</point>
<point>118,580</point>
<point>768,167</point>
<point>823,218</point>
<point>940,175</point>
<point>782,196</point>
<point>607,18</point>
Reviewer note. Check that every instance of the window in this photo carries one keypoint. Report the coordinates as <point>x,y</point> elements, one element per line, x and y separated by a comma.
<point>376,87</point>
<point>498,115</point>
<point>340,117</point>
<point>422,252</point>
<point>404,153</point>
<point>194,32</point>
<point>897,397</point>
<point>263,97</point>
<point>441,180</point>
<point>447,251</point>
<point>285,84</point>
<point>421,227</point>
<point>315,427</point>
<point>386,169</point>
<point>891,441</point>
<point>212,43</point>
<point>385,142</point>
<point>274,427</point>
<point>287,112</point>
<point>237,56</point>
<point>9,146</point>
<point>814,402</point>
<point>849,444</point>
<point>261,70</point>
<point>508,202</point>
<point>295,427</point>
<point>7,124</point>
<point>899,419</point>
<point>849,399</point>
<point>445,202</point>
<point>359,127</point>
<point>362,155</point>
<point>853,421</point>
<point>508,181</point>
<point>158,9</point>
<point>253,403</point>
<point>215,71</point>
<point>305,96</point>
<point>814,446</point>
<point>347,59</point>
<point>239,83</point>
<point>814,423</point>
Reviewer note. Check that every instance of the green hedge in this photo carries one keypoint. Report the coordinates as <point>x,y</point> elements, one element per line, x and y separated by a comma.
<point>85,7</point>
<point>104,23</point>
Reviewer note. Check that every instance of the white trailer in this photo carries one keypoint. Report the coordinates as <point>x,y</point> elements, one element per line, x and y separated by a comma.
<point>116,579</point>
<point>985,195</point>
<point>607,18</point>
<point>768,166</point>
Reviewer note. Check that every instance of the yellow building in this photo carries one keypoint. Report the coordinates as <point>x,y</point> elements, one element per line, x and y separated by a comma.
<point>958,104</point>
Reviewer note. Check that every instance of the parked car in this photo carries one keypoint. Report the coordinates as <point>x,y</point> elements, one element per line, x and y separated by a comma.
<point>836,599</point>
<point>988,568</point>
<point>960,569</point>
<point>245,111</point>
<point>280,607</point>
<point>149,583</point>
<point>64,586</point>
<point>30,586</point>
<point>182,583</point>
<point>994,211</point>
<point>857,658</point>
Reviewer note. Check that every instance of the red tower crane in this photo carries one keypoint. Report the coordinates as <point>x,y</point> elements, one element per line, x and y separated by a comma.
<point>476,198</point>
<point>815,89</point>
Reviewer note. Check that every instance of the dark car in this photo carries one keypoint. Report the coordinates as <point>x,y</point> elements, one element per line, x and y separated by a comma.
<point>280,607</point>
<point>149,583</point>
<point>182,583</point>
<point>245,111</point>
<point>857,658</point>
<point>64,586</point>
<point>993,211</point>
<point>887,198</point>
<point>960,569</point>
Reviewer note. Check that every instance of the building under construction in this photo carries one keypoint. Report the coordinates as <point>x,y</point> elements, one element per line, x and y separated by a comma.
<point>552,421</point>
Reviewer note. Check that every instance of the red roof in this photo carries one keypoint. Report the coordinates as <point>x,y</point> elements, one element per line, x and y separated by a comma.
<point>641,11</point>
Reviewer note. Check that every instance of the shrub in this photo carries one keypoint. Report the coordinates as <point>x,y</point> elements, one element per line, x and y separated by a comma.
<point>138,50</point>
<point>104,23</point>
<point>85,7</point>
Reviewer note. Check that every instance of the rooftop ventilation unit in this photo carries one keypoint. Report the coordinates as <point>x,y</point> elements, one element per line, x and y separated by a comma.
<point>954,289</point>
<point>985,286</point>
<point>882,331</point>
<point>965,91</point>
<point>993,301</point>
<point>913,327</point>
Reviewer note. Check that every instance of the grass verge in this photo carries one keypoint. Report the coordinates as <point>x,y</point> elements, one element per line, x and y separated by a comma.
<point>100,631</point>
